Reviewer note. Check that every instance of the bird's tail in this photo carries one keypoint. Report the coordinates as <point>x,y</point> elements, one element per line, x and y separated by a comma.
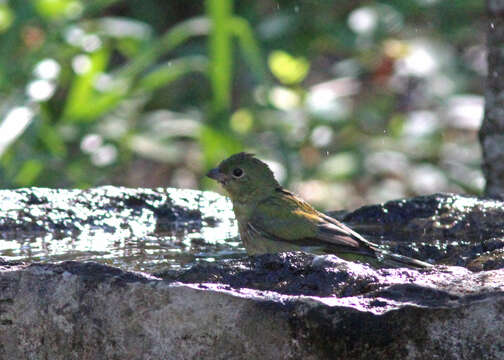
<point>395,260</point>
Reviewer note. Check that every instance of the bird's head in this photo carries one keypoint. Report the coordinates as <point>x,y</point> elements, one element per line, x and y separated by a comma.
<point>244,177</point>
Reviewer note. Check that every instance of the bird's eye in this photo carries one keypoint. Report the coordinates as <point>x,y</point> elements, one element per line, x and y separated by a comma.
<point>238,172</point>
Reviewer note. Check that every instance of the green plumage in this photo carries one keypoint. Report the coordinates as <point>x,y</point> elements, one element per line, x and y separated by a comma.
<point>271,219</point>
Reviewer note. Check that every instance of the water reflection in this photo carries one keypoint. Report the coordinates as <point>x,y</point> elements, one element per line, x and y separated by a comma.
<point>141,230</point>
<point>149,253</point>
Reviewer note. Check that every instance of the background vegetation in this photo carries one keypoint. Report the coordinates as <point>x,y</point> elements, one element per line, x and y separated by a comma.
<point>352,102</point>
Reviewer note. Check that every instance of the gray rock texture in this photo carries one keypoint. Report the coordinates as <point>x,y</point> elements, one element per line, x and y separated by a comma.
<point>78,310</point>
<point>279,306</point>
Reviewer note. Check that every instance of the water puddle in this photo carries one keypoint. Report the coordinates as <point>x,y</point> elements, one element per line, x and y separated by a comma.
<point>133,229</point>
<point>155,230</point>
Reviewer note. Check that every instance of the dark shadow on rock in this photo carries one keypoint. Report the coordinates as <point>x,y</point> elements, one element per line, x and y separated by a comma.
<point>289,305</point>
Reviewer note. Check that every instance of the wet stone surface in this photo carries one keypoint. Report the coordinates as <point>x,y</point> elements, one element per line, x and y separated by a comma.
<point>282,306</point>
<point>441,228</point>
<point>299,273</point>
<point>157,230</point>
<point>199,296</point>
<point>135,229</point>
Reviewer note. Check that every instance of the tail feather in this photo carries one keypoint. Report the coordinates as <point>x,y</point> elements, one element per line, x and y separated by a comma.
<point>395,260</point>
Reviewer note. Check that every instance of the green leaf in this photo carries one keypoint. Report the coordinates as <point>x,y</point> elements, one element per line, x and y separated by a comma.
<point>6,17</point>
<point>243,32</point>
<point>172,38</point>
<point>28,173</point>
<point>56,9</point>
<point>171,71</point>
<point>80,97</point>
<point>288,69</point>
<point>220,52</point>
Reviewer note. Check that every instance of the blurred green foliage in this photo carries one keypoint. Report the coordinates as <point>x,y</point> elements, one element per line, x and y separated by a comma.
<point>351,102</point>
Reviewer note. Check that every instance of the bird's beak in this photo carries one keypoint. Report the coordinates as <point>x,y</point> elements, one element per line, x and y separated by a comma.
<point>217,175</point>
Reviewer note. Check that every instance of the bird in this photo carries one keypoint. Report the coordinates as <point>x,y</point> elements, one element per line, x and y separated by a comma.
<point>272,219</point>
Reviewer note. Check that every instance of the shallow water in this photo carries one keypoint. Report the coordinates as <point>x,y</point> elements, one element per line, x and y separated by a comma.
<point>134,229</point>
<point>151,253</point>
<point>155,230</point>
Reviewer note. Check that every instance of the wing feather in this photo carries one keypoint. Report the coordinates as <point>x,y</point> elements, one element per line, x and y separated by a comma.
<point>290,219</point>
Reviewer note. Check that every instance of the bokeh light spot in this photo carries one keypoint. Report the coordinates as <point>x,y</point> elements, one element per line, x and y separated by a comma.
<point>47,69</point>
<point>242,121</point>
<point>288,69</point>
<point>14,124</point>
<point>284,98</point>
<point>6,17</point>
<point>363,20</point>
<point>40,90</point>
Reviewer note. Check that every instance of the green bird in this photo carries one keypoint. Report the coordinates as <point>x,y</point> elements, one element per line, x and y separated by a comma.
<point>272,219</point>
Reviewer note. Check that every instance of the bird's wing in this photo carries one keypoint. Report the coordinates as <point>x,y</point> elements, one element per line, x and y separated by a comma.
<point>334,225</point>
<point>285,217</point>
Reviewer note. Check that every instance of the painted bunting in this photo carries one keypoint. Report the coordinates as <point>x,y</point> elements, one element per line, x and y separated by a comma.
<point>272,219</point>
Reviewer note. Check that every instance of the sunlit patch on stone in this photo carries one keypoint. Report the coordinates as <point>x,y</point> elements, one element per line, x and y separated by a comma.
<point>118,226</point>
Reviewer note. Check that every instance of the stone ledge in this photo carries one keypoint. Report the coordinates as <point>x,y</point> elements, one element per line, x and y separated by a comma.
<point>78,310</point>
